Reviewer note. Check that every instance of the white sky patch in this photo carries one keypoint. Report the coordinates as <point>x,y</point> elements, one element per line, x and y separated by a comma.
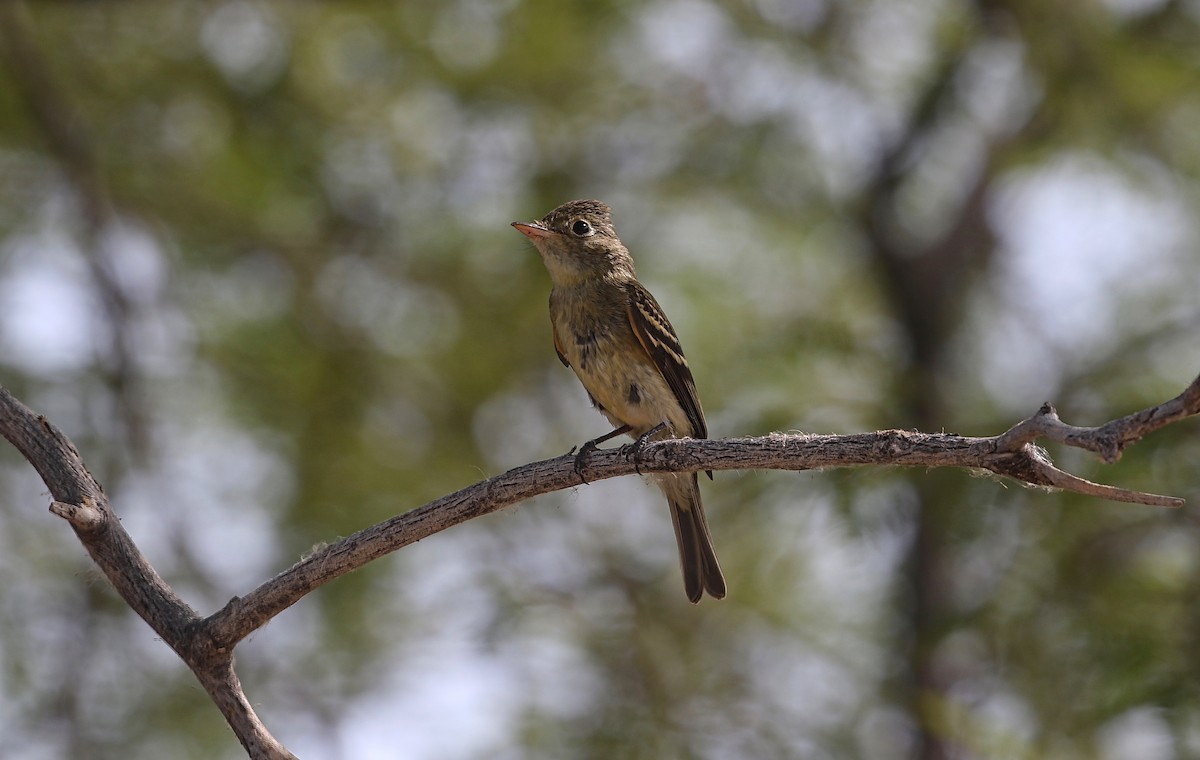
<point>217,486</point>
<point>684,34</point>
<point>1081,236</point>
<point>50,321</point>
<point>1141,732</point>
<point>1078,239</point>
<point>134,260</point>
<point>455,702</point>
<point>52,318</point>
<point>246,42</point>
<point>1133,8</point>
<point>445,693</point>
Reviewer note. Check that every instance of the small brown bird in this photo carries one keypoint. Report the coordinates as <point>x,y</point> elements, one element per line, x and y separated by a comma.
<point>614,335</point>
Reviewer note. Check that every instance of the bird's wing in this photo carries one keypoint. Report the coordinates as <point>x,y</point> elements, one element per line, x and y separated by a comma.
<point>657,336</point>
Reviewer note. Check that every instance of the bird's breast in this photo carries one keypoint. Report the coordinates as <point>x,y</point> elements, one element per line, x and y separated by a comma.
<point>598,342</point>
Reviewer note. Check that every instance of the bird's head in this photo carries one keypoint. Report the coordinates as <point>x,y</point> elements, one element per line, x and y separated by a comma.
<point>577,242</point>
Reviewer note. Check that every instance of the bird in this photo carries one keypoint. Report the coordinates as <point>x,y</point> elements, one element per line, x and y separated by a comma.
<point>613,334</point>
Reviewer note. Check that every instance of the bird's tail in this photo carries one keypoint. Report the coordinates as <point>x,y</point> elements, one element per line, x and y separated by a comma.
<point>696,555</point>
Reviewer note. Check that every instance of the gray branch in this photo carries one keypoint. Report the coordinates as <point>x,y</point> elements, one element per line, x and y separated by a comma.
<point>80,500</point>
<point>207,644</point>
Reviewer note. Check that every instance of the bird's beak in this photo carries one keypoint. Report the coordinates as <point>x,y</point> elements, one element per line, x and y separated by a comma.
<point>532,230</point>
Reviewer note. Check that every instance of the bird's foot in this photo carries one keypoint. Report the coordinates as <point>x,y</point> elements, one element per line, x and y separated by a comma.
<point>634,450</point>
<point>581,458</point>
<point>585,451</point>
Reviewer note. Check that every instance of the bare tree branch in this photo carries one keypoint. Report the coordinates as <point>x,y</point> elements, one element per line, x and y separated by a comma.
<point>81,501</point>
<point>207,644</point>
<point>1110,439</point>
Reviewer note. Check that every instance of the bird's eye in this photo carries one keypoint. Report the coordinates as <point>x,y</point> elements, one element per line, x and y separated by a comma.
<point>582,228</point>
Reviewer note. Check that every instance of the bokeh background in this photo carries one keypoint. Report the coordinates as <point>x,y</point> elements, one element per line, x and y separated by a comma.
<point>255,260</point>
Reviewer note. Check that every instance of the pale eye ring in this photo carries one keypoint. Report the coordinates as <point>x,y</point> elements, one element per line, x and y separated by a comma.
<point>581,228</point>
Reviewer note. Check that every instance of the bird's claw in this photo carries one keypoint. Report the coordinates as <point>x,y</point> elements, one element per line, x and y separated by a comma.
<point>634,450</point>
<point>585,451</point>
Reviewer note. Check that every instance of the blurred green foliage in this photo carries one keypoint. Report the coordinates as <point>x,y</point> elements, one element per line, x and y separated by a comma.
<point>254,259</point>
